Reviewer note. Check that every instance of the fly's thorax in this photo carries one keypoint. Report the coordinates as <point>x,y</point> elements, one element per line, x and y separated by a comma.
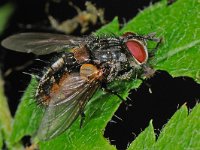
<point>105,49</point>
<point>112,55</point>
<point>115,69</point>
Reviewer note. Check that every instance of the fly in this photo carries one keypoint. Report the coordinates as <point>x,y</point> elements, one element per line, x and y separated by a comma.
<point>83,66</point>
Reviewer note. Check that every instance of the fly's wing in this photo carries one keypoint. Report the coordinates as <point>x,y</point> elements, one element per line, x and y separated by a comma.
<point>66,105</point>
<point>40,43</point>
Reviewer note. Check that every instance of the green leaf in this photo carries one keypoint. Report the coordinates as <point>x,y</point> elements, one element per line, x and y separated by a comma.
<point>178,24</point>
<point>145,140</point>
<point>5,116</point>
<point>5,13</point>
<point>1,139</point>
<point>177,55</point>
<point>27,116</point>
<point>98,112</point>
<point>112,27</point>
<point>181,132</point>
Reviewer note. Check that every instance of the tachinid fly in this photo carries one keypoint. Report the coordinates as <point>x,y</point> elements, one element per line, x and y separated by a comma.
<point>84,65</point>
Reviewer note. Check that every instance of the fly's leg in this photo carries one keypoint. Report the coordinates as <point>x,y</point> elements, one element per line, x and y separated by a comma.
<point>158,41</point>
<point>151,37</point>
<point>148,70</point>
<point>82,119</point>
<point>114,93</point>
<point>152,53</point>
<point>104,87</point>
<point>169,2</point>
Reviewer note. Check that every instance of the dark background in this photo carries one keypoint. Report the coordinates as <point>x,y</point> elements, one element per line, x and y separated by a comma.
<point>168,93</point>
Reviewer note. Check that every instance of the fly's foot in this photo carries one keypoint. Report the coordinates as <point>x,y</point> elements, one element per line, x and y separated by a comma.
<point>82,119</point>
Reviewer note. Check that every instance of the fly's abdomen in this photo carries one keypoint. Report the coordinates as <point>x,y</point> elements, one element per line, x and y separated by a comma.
<point>63,64</point>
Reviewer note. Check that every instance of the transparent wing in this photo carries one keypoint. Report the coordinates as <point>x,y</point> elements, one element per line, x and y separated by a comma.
<point>66,105</point>
<point>40,43</point>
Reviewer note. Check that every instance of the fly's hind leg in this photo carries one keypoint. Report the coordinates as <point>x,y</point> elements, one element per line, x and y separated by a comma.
<point>104,87</point>
<point>82,119</point>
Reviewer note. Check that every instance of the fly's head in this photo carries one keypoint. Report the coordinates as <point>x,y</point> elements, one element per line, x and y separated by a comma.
<point>135,49</point>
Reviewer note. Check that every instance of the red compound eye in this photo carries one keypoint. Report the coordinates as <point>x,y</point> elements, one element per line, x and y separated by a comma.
<point>137,50</point>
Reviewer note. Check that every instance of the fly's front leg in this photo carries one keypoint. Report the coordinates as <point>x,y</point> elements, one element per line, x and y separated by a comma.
<point>152,53</point>
<point>152,37</point>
